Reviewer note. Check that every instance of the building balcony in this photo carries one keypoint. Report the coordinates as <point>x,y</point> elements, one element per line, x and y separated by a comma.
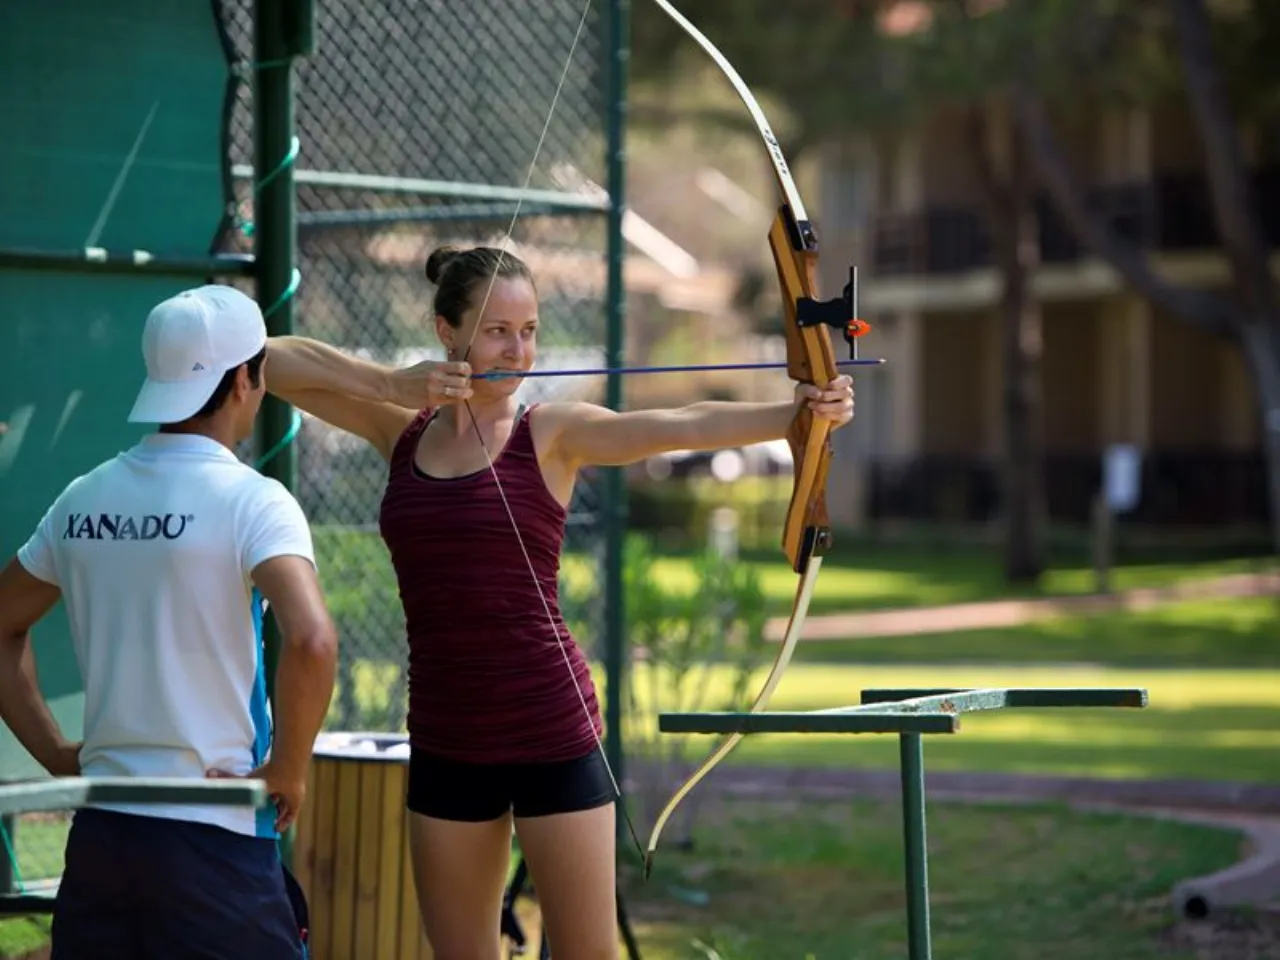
<point>1185,488</point>
<point>1171,214</point>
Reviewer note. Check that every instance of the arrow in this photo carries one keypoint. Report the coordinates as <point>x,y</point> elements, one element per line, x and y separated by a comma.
<point>525,374</point>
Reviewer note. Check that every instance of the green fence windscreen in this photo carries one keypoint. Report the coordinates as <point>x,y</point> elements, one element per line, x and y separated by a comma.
<point>113,117</point>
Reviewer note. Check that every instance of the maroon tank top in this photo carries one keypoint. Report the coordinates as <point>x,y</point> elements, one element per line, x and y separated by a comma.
<point>488,681</point>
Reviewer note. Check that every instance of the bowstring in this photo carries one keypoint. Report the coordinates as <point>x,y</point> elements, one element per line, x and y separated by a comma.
<point>528,176</point>
<point>493,470</point>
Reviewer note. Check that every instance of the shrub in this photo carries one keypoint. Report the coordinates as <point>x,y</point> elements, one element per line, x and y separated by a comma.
<point>678,512</point>
<point>685,640</point>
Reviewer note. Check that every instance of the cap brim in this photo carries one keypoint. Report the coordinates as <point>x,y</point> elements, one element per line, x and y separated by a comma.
<point>160,402</point>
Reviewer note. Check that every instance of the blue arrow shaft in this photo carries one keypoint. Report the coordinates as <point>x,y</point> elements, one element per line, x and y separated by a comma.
<point>510,374</point>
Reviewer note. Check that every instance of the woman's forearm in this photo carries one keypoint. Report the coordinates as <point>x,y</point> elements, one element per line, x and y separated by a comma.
<point>589,434</point>
<point>716,424</point>
<point>298,364</point>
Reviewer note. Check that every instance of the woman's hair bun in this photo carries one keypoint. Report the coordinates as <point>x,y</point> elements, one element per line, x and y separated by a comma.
<point>439,259</point>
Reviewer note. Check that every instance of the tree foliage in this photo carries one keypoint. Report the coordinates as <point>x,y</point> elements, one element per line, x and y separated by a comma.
<point>839,68</point>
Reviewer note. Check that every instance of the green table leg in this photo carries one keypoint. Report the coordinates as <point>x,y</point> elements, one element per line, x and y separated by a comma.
<point>9,868</point>
<point>911,746</point>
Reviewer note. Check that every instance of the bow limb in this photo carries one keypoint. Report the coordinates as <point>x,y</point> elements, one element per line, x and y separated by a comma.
<point>799,611</point>
<point>810,359</point>
<point>786,183</point>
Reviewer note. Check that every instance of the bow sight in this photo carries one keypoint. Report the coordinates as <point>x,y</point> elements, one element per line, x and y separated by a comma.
<point>840,313</point>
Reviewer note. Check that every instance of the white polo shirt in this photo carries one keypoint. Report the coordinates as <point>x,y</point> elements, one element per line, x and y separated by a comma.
<point>153,552</point>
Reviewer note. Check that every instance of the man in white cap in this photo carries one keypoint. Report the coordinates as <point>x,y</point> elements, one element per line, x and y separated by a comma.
<point>164,556</point>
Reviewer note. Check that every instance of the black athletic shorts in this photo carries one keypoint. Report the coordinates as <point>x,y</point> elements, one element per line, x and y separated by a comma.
<point>477,792</point>
<point>147,888</point>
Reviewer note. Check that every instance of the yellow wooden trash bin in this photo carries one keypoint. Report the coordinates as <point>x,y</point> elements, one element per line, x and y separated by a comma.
<point>351,851</point>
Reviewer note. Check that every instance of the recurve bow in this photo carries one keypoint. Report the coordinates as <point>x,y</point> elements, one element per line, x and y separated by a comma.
<point>806,533</point>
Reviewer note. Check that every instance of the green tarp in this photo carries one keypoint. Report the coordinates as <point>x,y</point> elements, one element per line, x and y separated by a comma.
<point>112,117</point>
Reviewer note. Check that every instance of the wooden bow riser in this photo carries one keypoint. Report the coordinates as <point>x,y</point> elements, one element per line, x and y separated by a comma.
<point>810,359</point>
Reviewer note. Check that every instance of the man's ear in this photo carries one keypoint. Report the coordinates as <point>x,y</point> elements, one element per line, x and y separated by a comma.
<point>244,386</point>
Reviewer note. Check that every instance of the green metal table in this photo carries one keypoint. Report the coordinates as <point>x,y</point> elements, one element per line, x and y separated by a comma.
<point>70,793</point>
<point>910,714</point>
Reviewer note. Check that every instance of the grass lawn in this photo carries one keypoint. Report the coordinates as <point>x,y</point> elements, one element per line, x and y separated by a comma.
<point>1201,724</point>
<point>887,577</point>
<point>825,881</point>
<point>770,879</point>
<point>1212,668</point>
<point>1243,632</point>
<point>20,936</point>
<point>38,842</point>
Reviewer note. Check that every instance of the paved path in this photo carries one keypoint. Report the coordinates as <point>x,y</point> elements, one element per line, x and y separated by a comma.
<point>909,621</point>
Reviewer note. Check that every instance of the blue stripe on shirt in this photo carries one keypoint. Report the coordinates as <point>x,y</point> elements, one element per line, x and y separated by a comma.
<point>265,824</point>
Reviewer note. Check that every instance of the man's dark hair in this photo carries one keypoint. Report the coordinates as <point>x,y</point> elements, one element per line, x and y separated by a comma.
<point>223,390</point>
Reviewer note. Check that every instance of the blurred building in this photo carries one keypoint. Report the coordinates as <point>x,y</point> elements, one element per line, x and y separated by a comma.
<point>907,209</point>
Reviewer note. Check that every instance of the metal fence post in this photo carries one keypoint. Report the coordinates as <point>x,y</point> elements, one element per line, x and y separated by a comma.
<point>274,233</point>
<point>615,492</point>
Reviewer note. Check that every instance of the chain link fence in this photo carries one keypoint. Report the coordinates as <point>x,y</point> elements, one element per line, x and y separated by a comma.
<point>417,121</point>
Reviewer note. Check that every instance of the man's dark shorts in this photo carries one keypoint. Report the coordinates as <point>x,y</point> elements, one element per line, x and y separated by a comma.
<point>146,887</point>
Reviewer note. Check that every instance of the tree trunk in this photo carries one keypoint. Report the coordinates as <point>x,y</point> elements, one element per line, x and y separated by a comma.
<point>1262,354</point>
<point>1251,314</point>
<point>1239,225</point>
<point>1203,309</point>
<point>1022,350</point>
<point>1230,190</point>
<point>1015,231</point>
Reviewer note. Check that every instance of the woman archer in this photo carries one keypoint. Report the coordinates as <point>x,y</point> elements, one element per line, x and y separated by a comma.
<point>504,724</point>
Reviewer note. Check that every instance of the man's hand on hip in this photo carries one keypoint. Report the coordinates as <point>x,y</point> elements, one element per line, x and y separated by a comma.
<point>287,790</point>
<point>65,761</point>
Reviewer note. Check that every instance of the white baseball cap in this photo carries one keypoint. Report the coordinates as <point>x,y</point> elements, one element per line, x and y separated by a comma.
<point>189,342</point>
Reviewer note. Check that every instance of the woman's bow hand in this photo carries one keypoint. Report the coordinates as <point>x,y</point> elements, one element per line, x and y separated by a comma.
<point>834,403</point>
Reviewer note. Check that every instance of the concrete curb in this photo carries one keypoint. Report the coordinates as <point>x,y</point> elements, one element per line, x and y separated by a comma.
<point>1253,882</point>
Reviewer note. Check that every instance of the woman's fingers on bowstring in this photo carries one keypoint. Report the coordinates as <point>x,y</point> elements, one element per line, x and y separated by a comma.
<point>449,382</point>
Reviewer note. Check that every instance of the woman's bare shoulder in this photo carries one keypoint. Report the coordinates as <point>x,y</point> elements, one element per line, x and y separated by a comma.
<point>560,413</point>
<point>549,422</point>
